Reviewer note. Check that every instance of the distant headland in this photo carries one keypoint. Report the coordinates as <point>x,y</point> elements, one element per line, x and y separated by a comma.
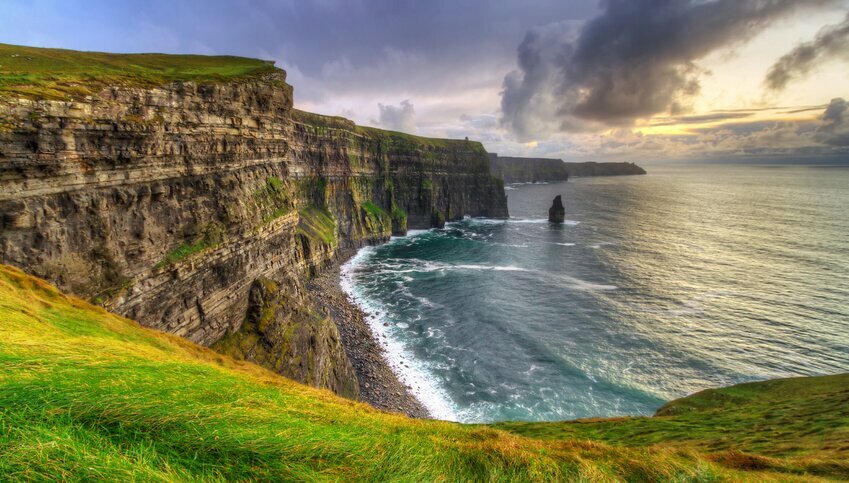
<point>530,170</point>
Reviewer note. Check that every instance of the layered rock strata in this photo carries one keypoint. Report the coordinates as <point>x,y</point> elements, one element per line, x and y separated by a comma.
<point>168,204</point>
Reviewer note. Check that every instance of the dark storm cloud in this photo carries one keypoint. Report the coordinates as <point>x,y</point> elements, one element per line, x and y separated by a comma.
<point>831,42</point>
<point>634,60</point>
<point>835,128</point>
<point>323,39</point>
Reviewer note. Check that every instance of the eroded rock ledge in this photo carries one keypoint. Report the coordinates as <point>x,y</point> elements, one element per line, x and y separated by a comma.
<point>168,204</point>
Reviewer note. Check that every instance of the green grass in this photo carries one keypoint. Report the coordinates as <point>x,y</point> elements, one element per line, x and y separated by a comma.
<point>182,252</point>
<point>322,121</point>
<point>87,395</point>
<point>273,199</point>
<point>377,219</point>
<point>317,224</point>
<point>397,138</point>
<point>373,210</point>
<point>37,73</point>
<point>399,219</point>
<point>802,418</point>
<point>210,235</point>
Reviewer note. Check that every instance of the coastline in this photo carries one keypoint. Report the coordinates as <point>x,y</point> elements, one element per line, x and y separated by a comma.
<point>380,386</point>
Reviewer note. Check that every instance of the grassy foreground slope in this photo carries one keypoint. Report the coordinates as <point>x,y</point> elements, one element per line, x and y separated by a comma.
<point>85,394</point>
<point>38,73</point>
<point>805,417</point>
<point>801,421</point>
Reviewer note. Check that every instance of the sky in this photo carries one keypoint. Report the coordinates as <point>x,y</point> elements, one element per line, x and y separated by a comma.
<point>605,80</point>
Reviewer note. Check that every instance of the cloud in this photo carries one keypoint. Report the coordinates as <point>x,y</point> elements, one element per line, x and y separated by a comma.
<point>835,124</point>
<point>634,60</point>
<point>397,118</point>
<point>831,42</point>
<point>702,118</point>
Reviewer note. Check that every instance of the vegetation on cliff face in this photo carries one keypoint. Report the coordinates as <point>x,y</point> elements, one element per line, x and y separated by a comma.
<point>37,73</point>
<point>317,224</point>
<point>87,395</point>
<point>209,236</point>
<point>282,332</point>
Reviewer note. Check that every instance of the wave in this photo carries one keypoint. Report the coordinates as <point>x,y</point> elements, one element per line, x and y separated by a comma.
<point>412,372</point>
<point>425,266</point>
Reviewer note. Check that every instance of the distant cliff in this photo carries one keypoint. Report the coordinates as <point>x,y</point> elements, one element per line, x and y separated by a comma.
<point>533,170</point>
<point>527,170</point>
<point>603,169</point>
<point>201,207</point>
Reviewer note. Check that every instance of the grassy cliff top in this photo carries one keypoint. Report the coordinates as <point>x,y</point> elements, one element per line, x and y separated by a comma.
<point>402,137</point>
<point>377,134</point>
<point>87,395</point>
<point>37,73</point>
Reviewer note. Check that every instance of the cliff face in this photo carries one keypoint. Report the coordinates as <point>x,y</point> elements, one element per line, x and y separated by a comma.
<point>603,169</point>
<point>533,170</point>
<point>168,204</point>
<point>528,170</point>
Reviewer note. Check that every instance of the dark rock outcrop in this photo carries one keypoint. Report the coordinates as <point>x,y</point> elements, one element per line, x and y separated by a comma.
<point>557,213</point>
<point>167,204</point>
<point>283,333</point>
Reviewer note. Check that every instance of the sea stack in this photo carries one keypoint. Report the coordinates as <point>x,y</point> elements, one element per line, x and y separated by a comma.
<point>556,213</point>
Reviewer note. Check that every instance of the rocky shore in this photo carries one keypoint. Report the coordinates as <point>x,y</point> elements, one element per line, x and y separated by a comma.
<point>379,385</point>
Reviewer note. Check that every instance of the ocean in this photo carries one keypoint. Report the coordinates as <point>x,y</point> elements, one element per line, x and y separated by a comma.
<point>691,277</point>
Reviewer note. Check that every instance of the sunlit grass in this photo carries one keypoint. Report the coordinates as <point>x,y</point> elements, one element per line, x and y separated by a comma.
<point>37,73</point>
<point>88,395</point>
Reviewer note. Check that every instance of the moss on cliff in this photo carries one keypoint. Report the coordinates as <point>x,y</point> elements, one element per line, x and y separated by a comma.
<point>86,395</point>
<point>399,221</point>
<point>273,199</point>
<point>209,235</point>
<point>38,73</point>
<point>317,224</point>
<point>282,333</point>
<point>377,219</point>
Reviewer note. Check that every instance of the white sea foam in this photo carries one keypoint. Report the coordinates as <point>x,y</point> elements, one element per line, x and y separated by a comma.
<point>477,221</point>
<point>425,266</point>
<point>412,372</point>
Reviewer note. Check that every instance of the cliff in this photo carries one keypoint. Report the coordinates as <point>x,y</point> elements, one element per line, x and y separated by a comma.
<point>166,200</point>
<point>603,169</point>
<point>528,170</point>
<point>87,395</point>
<point>534,170</point>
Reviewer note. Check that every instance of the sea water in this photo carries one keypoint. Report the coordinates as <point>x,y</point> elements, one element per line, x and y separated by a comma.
<point>657,286</point>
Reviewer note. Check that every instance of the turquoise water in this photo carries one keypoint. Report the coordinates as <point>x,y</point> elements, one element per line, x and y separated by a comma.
<point>658,286</point>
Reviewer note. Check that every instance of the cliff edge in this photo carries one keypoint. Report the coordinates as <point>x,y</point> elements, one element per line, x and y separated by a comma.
<point>166,193</point>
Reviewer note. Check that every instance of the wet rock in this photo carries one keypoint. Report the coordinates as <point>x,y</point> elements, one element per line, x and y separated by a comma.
<point>557,213</point>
